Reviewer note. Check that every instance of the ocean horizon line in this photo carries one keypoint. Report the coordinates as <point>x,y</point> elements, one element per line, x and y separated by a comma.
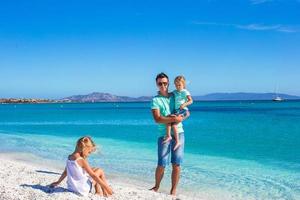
<point>107,97</point>
<point>100,102</point>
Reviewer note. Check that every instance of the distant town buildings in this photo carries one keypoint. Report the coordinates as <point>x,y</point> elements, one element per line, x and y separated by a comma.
<point>24,100</point>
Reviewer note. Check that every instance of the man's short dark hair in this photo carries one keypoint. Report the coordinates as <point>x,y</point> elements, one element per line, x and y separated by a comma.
<point>161,75</point>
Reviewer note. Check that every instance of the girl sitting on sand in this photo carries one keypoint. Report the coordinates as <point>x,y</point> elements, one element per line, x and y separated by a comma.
<point>80,176</point>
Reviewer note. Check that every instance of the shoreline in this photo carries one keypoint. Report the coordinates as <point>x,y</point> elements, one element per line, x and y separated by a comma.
<point>100,102</point>
<point>23,179</point>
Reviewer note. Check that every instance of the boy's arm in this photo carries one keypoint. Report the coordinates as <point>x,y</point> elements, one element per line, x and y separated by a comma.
<point>189,102</point>
<point>165,120</point>
<point>61,178</point>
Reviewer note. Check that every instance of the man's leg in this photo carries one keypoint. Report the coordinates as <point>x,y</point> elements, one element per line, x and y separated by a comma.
<point>163,153</point>
<point>159,174</point>
<point>176,159</point>
<point>175,178</point>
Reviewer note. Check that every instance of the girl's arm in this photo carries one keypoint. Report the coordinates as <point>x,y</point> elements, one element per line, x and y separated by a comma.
<point>85,165</point>
<point>62,177</point>
<point>189,102</point>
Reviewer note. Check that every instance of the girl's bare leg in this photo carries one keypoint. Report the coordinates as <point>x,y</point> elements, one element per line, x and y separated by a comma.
<point>100,190</point>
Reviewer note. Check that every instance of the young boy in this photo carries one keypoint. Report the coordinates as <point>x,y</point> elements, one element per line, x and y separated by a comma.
<point>182,99</point>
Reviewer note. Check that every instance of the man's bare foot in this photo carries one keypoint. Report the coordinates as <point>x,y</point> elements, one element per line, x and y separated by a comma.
<point>167,139</point>
<point>173,192</point>
<point>177,145</point>
<point>155,189</point>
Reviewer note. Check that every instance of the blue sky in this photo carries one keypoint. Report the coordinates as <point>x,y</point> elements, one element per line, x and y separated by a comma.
<point>53,49</point>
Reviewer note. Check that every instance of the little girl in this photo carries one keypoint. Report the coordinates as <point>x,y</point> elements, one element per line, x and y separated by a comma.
<point>80,176</point>
<point>182,98</point>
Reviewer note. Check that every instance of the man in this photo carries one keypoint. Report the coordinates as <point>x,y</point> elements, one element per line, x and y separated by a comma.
<point>162,106</point>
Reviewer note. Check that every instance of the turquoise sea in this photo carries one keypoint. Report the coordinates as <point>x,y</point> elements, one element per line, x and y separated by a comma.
<point>234,150</point>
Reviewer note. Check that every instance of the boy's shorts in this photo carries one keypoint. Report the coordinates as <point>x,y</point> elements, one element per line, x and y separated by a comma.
<point>165,149</point>
<point>182,112</point>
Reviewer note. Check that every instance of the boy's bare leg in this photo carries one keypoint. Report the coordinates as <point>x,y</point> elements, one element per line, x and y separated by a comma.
<point>176,137</point>
<point>168,136</point>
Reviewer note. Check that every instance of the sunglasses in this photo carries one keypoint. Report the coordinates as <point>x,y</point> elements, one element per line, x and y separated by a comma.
<point>162,83</point>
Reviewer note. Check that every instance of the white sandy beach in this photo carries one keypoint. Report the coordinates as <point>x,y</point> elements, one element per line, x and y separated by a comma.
<point>20,179</point>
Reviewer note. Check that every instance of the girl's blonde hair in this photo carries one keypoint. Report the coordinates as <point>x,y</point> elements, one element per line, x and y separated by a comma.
<point>179,79</point>
<point>85,142</point>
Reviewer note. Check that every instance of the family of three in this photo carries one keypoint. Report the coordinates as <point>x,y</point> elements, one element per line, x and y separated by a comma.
<point>168,110</point>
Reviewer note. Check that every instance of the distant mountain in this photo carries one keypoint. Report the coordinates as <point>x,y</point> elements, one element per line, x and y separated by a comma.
<point>106,97</point>
<point>103,97</point>
<point>242,96</point>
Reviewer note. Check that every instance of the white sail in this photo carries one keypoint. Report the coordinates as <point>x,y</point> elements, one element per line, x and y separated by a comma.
<point>277,97</point>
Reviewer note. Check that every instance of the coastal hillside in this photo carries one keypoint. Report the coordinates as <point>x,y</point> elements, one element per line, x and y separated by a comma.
<point>107,97</point>
<point>243,96</point>
<point>103,97</point>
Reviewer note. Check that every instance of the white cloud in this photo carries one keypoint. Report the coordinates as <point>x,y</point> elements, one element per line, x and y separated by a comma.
<point>259,27</point>
<point>254,27</point>
<point>288,29</point>
<point>255,2</point>
<point>275,27</point>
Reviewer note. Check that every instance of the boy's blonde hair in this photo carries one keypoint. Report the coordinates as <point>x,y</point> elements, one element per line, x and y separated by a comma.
<point>180,79</point>
<point>85,142</point>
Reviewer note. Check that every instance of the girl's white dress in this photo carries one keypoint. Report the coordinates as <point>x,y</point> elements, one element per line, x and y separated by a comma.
<point>78,180</point>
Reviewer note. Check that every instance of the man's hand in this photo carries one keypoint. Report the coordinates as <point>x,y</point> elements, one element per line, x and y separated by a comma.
<point>178,118</point>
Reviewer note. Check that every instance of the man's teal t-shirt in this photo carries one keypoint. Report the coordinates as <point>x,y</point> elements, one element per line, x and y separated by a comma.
<point>165,105</point>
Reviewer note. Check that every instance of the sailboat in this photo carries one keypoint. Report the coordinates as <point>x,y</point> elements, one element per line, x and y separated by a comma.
<point>277,97</point>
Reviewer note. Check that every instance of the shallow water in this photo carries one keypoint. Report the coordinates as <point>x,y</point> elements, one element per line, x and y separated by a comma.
<point>234,150</point>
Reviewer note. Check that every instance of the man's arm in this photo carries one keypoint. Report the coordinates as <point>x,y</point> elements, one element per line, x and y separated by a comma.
<point>165,120</point>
